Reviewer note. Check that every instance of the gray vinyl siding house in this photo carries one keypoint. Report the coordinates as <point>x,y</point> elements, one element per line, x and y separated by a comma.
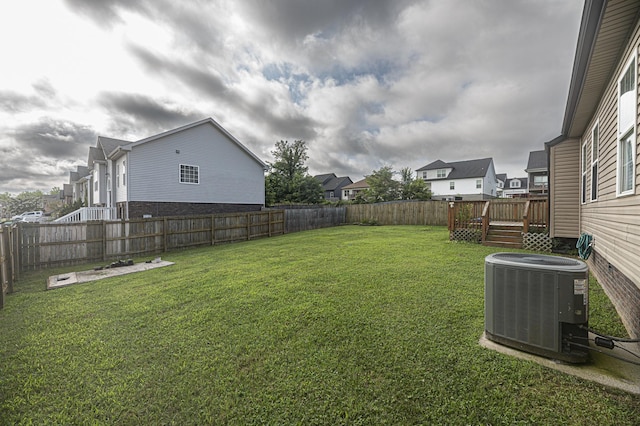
<point>196,169</point>
<point>594,163</point>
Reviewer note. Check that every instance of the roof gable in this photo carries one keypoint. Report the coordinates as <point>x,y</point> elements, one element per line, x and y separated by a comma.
<point>206,121</point>
<point>438,164</point>
<point>325,178</point>
<point>109,145</point>
<point>361,184</point>
<point>537,160</point>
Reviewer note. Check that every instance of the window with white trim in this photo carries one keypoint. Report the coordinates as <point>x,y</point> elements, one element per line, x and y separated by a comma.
<point>595,142</point>
<point>452,185</point>
<point>515,184</point>
<point>625,165</point>
<point>583,169</point>
<point>124,173</point>
<point>478,183</point>
<point>189,174</point>
<point>540,180</point>
<point>627,99</point>
<point>117,175</point>
<point>441,173</point>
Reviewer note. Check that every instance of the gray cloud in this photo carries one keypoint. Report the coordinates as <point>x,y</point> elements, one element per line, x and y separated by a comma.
<point>50,138</point>
<point>17,102</point>
<point>106,12</point>
<point>366,84</point>
<point>140,114</point>
<point>200,81</point>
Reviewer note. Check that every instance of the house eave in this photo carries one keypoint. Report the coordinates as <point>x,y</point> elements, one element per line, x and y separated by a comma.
<point>604,29</point>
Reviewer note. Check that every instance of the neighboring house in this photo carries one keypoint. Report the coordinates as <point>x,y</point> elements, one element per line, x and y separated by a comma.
<point>538,173</point>
<point>77,188</point>
<point>467,180</point>
<point>332,185</point>
<point>349,192</point>
<point>199,168</point>
<point>67,193</point>
<point>501,179</point>
<point>516,188</point>
<point>594,188</point>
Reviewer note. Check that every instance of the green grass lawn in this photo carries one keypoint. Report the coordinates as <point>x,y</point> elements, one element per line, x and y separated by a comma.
<point>347,325</point>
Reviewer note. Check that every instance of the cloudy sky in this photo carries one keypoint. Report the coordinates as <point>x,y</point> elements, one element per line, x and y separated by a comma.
<point>366,83</point>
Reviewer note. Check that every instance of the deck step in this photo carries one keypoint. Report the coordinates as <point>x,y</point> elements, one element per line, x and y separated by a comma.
<point>504,236</point>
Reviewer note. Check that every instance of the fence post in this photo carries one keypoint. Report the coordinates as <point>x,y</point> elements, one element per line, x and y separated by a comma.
<point>165,243</point>
<point>451,217</point>
<point>16,256</point>
<point>3,267</point>
<point>248,226</point>
<point>213,229</point>
<point>104,240</point>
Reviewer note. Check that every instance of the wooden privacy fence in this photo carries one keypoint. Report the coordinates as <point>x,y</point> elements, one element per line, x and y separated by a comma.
<point>6,267</point>
<point>297,220</point>
<point>46,245</point>
<point>399,213</point>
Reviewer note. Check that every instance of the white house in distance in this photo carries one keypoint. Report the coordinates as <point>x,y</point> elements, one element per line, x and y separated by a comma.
<point>515,187</point>
<point>199,168</point>
<point>462,180</point>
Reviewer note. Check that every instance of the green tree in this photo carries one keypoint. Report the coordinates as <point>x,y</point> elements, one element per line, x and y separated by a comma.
<point>23,202</point>
<point>382,186</point>
<point>413,188</point>
<point>288,180</point>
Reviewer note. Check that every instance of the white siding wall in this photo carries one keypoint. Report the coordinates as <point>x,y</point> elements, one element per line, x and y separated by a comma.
<point>440,188</point>
<point>120,178</point>
<point>490,183</point>
<point>431,174</point>
<point>227,173</point>
<point>95,192</point>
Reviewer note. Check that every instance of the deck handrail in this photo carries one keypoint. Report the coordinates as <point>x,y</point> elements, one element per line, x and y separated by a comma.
<point>525,217</point>
<point>485,220</point>
<point>85,214</point>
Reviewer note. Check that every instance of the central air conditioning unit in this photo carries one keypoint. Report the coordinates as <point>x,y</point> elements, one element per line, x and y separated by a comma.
<point>537,303</point>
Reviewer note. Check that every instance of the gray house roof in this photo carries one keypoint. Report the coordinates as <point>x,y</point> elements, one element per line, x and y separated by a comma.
<point>361,184</point>
<point>438,164</point>
<point>537,161</point>
<point>330,182</point>
<point>325,178</point>
<point>108,145</point>
<point>461,169</point>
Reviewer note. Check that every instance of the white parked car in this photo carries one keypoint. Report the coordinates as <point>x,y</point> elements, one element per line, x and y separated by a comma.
<point>34,216</point>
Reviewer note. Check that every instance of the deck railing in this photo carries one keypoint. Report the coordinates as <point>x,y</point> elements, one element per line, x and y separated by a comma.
<point>86,214</point>
<point>478,215</point>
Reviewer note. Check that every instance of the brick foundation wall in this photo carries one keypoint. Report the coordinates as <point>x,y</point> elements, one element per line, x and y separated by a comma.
<point>624,294</point>
<point>158,209</point>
